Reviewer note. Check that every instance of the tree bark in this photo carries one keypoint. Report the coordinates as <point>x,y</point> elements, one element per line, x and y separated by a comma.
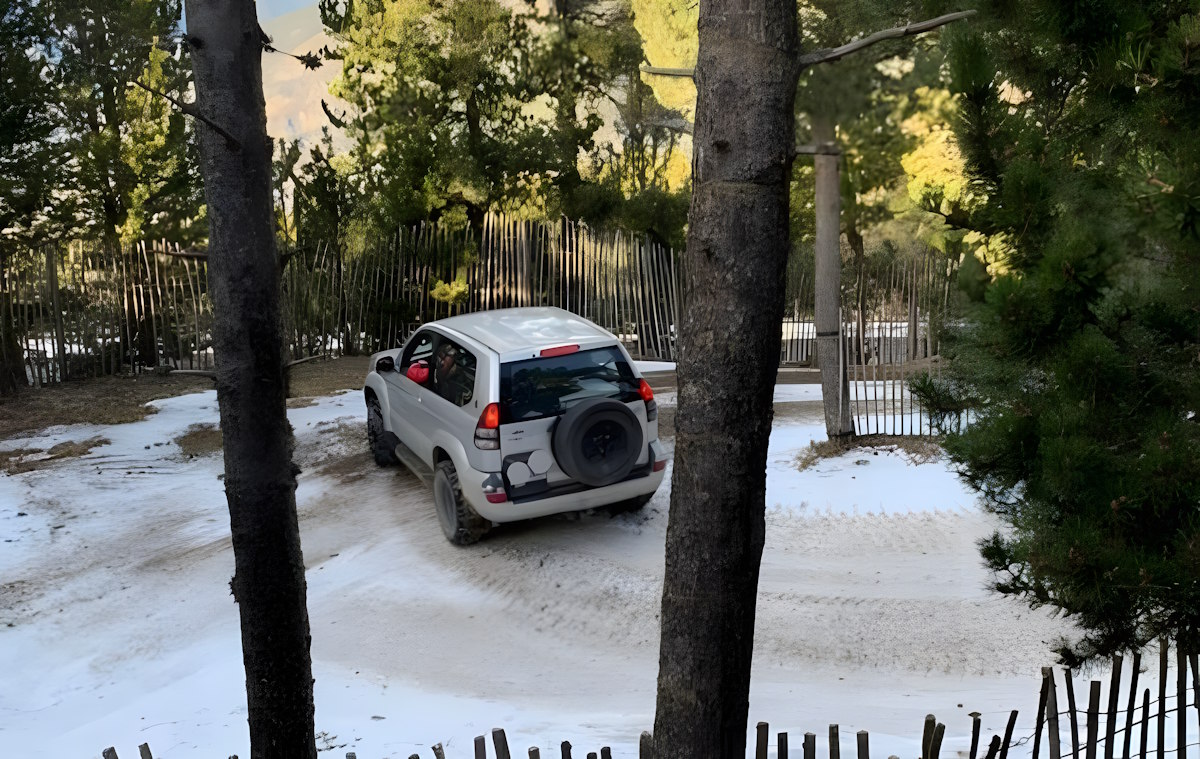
<point>835,390</point>
<point>734,275</point>
<point>260,478</point>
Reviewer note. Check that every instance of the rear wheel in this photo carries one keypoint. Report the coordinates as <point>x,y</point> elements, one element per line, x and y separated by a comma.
<point>598,441</point>
<point>461,525</point>
<point>383,455</point>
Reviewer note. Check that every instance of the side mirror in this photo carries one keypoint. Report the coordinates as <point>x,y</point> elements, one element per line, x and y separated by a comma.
<point>418,372</point>
<point>385,364</point>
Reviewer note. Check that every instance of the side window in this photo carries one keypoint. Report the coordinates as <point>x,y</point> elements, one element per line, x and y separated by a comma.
<point>453,375</point>
<point>419,351</point>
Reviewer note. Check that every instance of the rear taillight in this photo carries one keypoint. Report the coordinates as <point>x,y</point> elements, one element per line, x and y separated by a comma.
<point>487,431</point>
<point>647,394</point>
<point>660,465</point>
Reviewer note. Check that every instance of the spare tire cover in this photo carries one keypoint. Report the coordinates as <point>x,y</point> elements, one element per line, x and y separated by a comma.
<point>598,441</point>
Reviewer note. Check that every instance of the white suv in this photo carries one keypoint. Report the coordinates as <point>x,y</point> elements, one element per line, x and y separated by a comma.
<point>514,414</point>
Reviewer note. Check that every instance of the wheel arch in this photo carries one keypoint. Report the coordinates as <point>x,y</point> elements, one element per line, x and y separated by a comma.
<point>374,389</point>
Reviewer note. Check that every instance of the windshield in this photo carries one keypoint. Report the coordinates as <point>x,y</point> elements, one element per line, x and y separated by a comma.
<point>548,386</point>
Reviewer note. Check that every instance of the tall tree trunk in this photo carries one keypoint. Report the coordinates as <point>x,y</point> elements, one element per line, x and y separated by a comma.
<point>734,274</point>
<point>835,390</point>
<point>260,479</point>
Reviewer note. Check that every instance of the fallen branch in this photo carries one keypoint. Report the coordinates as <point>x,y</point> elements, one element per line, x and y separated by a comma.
<point>194,373</point>
<point>290,364</point>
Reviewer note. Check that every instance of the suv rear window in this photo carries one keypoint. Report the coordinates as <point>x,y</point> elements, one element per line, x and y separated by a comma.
<point>541,387</point>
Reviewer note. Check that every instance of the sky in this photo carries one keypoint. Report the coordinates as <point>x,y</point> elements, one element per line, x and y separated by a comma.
<point>271,8</point>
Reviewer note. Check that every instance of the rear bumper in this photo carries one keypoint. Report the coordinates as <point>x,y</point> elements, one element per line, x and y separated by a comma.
<point>587,498</point>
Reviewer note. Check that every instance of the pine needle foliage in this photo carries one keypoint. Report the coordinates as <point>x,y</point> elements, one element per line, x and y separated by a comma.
<point>1079,362</point>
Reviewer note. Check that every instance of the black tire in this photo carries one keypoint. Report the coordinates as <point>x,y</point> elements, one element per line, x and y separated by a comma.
<point>598,442</point>
<point>459,522</point>
<point>630,505</point>
<point>383,455</point>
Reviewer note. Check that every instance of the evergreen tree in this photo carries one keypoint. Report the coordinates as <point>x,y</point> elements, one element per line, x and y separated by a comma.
<point>27,171</point>
<point>128,160</point>
<point>1080,360</point>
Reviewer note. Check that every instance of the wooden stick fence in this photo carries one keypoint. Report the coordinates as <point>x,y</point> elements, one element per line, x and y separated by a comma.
<point>1104,731</point>
<point>84,309</point>
<point>893,318</point>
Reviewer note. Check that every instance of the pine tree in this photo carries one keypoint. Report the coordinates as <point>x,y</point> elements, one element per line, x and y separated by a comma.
<point>1079,362</point>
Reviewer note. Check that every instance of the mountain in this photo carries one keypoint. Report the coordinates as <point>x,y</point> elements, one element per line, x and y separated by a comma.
<point>294,93</point>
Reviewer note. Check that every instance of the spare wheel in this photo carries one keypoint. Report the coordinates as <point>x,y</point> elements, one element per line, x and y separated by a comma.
<point>598,441</point>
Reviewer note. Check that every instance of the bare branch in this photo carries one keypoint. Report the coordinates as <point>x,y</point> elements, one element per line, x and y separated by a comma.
<point>660,71</point>
<point>310,60</point>
<point>830,54</point>
<point>820,148</point>
<point>191,110</point>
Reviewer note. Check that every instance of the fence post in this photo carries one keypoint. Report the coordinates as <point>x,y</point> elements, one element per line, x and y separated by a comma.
<point>646,746</point>
<point>835,743</point>
<point>762,738</point>
<point>1041,713</point>
<point>781,746</point>
<point>975,725</point>
<point>1073,713</point>
<point>500,741</point>
<point>1093,719</point>
<point>1052,714</point>
<point>110,752</point>
<point>59,332</point>
<point>480,747</point>
<point>1008,731</point>
<point>810,746</point>
<point>1195,683</point>
<point>935,746</point>
<point>1133,683</point>
<point>144,751</point>
<point>1114,694</point>
<point>1180,702</point>
<point>927,736</point>
<point>1162,698</point>
<point>1145,722</point>
<point>864,745</point>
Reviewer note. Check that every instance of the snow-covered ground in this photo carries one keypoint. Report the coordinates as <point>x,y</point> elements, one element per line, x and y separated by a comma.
<point>117,627</point>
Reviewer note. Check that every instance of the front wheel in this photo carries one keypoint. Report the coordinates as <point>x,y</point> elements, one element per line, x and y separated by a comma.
<point>461,525</point>
<point>383,455</point>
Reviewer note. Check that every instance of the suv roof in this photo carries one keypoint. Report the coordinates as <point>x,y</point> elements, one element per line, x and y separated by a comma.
<point>512,330</point>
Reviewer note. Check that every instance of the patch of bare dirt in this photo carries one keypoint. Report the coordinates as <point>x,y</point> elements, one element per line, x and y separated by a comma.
<point>200,440</point>
<point>119,400</point>
<point>317,378</point>
<point>917,450</point>
<point>28,459</point>
<point>101,400</point>
<point>342,454</point>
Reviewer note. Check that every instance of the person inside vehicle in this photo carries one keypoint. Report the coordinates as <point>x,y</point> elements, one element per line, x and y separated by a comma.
<point>445,373</point>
